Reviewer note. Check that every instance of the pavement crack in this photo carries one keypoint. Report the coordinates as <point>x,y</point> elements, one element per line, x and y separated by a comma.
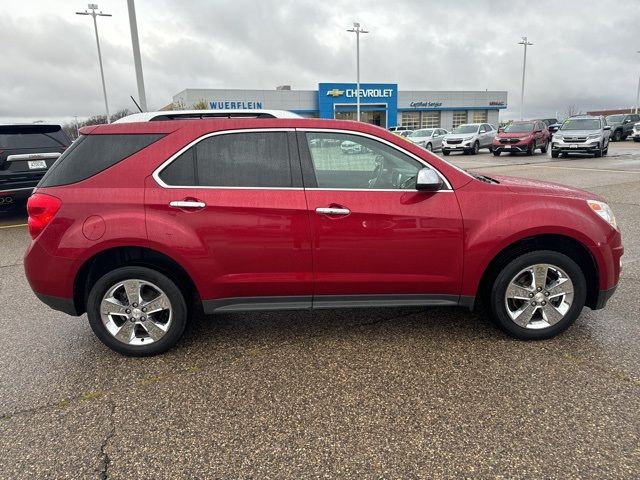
<point>105,461</point>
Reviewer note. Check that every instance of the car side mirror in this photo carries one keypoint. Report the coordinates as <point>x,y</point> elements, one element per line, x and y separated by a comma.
<point>436,135</point>
<point>608,127</point>
<point>482,131</point>
<point>627,121</point>
<point>428,180</point>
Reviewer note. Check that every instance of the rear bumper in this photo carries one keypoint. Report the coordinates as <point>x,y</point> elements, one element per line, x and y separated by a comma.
<point>10,196</point>
<point>65,305</point>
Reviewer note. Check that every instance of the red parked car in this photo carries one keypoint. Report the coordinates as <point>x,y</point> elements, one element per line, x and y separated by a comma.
<point>140,224</point>
<point>522,137</point>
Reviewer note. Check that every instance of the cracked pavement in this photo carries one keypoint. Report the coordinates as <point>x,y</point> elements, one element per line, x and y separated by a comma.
<point>362,393</point>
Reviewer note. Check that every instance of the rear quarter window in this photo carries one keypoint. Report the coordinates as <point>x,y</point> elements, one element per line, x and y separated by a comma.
<point>91,154</point>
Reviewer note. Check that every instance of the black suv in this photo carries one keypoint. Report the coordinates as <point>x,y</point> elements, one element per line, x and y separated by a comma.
<point>26,152</point>
<point>622,125</point>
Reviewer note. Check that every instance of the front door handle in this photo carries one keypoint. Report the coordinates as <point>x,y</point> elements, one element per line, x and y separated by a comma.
<point>187,204</point>
<point>334,211</point>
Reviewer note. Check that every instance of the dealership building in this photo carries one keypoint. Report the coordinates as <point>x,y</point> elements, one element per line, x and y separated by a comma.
<point>380,103</point>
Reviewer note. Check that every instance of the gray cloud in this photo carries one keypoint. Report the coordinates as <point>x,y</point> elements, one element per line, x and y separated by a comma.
<point>583,53</point>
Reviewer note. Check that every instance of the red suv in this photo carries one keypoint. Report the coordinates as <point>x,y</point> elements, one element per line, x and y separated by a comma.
<point>522,137</point>
<point>141,224</point>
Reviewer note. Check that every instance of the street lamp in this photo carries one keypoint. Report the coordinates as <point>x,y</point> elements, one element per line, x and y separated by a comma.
<point>526,43</point>
<point>93,7</point>
<point>357,30</point>
<point>638,92</point>
<point>133,24</point>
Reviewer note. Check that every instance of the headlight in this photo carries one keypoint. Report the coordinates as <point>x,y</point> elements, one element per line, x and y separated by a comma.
<point>557,136</point>
<point>467,138</point>
<point>603,211</point>
<point>594,136</point>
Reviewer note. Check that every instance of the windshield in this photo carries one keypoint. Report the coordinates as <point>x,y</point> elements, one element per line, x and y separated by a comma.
<point>421,133</point>
<point>519,127</point>
<point>615,118</point>
<point>581,124</point>
<point>466,129</point>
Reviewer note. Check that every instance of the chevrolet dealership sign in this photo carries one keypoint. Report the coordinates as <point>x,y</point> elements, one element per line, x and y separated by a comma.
<point>364,93</point>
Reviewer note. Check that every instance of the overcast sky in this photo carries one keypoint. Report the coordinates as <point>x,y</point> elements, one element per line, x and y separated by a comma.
<point>584,52</point>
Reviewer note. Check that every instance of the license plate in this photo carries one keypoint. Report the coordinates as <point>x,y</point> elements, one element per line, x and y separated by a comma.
<point>507,147</point>
<point>36,164</point>
<point>573,146</point>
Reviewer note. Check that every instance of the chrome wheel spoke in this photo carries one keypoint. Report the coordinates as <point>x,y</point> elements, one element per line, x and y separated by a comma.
<point>523,315</point>
<point>518,292</point>
<point>551,314</point>
<point>126,332</point>
<point>540,273</point>
<point>161,302</point>
<point>154,330</point>
<point>132,289</point>
<point>111,306</point>
<point>561,287</point>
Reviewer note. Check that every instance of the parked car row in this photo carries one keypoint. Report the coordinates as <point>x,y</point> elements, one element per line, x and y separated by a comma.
<point>622,126</point>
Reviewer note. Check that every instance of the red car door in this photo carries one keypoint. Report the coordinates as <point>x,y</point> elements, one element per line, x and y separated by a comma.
<point>232,209</point>
<point>377,240</point>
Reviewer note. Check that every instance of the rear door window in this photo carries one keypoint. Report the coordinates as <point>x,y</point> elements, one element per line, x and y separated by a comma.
<point>252,159</point>
<point>32,136</point>
<point>91,154</point>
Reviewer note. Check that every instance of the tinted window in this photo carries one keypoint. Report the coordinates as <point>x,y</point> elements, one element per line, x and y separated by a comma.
<point>32,136</point>
<point>351,161</point>
<point>91,154</point>
<point>256,159</point>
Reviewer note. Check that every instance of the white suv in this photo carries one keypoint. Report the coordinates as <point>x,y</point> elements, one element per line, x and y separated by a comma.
<point>469,138</point>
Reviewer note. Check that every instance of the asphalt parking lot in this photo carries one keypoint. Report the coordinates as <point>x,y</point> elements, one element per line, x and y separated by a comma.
<point>371,393</point>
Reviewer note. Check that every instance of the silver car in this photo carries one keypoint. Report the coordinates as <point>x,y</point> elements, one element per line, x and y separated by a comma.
<point>428,138</point>
<point>469,138</point>
<point>581,134</point>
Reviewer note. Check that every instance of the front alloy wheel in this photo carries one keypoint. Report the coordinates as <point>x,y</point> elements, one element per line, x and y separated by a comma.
<point>538,295</point>
<point>137,311</point>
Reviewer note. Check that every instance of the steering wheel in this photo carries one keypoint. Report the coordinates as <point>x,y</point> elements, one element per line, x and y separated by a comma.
<point>378,171</point>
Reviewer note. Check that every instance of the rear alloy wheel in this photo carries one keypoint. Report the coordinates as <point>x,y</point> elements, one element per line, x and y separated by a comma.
<point>137,311</point>
<point>538,295</point>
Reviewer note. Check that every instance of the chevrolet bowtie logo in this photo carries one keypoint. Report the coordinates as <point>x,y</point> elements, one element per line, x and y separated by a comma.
<point>335,93</point>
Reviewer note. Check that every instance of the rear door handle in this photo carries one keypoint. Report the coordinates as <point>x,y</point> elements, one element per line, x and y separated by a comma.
<point>187,204</point>
<point>333,211</point>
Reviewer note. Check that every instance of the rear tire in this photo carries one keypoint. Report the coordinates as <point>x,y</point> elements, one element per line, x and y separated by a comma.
<point>551,314</point>
<point>144,333</point>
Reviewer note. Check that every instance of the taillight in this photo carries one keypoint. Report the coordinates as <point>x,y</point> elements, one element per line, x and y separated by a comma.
<point>41,208</point>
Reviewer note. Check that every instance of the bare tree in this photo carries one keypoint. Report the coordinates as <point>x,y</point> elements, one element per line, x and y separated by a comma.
<point>200,105</point>
<point>571,110</point>
<point>70,128</point>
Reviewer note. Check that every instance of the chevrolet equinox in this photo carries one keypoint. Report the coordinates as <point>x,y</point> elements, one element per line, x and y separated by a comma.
<point>142,224</point>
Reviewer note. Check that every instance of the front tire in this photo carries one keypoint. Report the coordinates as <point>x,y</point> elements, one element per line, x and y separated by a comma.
<point>429,147</point>
<point>598,153</point>
<point>137,311</point>
<point>475,149</point>
<point>617,136</point>
<point>445,152</point>
<point>532,148</point>
<point>538,295</point>
<point>555,154</point>
<point>496,153</point>
<point>544,147</point>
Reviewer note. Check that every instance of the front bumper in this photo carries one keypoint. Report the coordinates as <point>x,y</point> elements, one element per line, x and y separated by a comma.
<point>589,146</point>
<point>520,147</point>
<point>465,145</point>
<point>635,135</point>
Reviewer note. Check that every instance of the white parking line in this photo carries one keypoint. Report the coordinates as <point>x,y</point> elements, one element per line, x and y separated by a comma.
<point>584,169</point>
<point>12,226</point>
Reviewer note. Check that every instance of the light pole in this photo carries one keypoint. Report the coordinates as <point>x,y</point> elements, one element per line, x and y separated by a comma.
<point>526,43</point>
<point>638,92</point>
<point>357,30</point>
<point>133,24</point>
<point>93,7</point>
